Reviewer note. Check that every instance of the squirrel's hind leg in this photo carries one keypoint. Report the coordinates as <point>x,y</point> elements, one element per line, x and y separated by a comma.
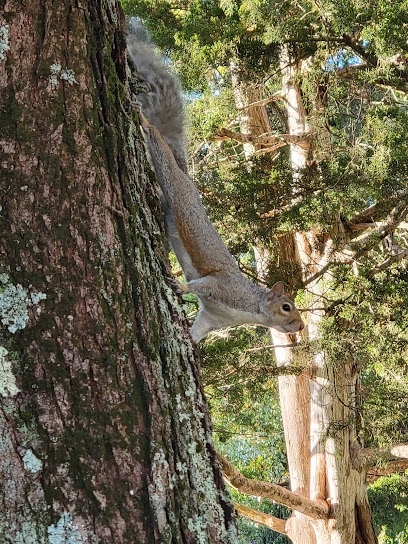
<point>203,324</point>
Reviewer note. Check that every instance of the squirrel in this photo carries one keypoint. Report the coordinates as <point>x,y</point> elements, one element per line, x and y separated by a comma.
<point>228,298</point>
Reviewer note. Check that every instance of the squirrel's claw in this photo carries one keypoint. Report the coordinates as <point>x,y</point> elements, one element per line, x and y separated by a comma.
<point>177,286</point>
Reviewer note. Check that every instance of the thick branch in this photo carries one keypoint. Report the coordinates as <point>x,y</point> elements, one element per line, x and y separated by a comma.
<point>263,102</point>
<point>266,139</point>
<point>363,243</point>
<point>314,509</point>
<point>369,239</point>
<point>266,520</point>
<point>370,59</point>
<point>367,457</point>
<point>400,81</point>
<point>393,467</point>
<point>375,213</point>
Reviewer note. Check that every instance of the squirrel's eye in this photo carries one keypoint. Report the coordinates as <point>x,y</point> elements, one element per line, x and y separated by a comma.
<point>286,308</point>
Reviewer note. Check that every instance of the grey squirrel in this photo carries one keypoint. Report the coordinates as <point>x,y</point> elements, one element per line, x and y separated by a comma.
<point>228,298</point>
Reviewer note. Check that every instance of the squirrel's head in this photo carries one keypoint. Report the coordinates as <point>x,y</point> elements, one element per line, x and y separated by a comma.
<point>280,312</point>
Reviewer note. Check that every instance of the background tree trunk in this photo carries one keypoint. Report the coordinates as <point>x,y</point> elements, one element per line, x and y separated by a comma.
<point>253,119</point>
<point>319,413</point>
<point>104,431</point>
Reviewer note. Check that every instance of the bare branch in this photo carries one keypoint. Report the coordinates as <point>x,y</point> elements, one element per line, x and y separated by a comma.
<point>272,346</point>
<point>393,467</point>
<point>366,457</point>
<point>266,520</point>
<point>317,509</point>
<point>271,149</point>
<point>366,241</point>
<point>210,154</point>
<point>266,139</point>
<point>276,96</point>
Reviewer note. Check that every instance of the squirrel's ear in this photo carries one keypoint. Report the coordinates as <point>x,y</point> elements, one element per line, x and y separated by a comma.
<point>277,290</point>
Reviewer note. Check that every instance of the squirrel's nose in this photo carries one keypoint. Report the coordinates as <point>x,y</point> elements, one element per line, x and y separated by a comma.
<point>301,326</point>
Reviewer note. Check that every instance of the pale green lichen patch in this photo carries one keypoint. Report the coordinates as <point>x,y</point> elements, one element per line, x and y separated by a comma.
<point>4,40</point>
<point>14,304</point>
<point>31,462</point>
<point>163,482</point>
<point>14,307</point>
<point>36,297</point>
<point>8,387</point>
<point>28,533</point>
<point>198,527</point>
<point>57,72</point>
<point>65,532</point>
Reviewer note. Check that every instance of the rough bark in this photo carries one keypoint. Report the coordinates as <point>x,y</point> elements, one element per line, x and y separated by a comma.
<point>104,430</point>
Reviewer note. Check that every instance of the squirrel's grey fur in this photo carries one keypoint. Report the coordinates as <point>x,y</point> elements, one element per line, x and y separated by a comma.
<point>162,104</point>
<point>227,297</point>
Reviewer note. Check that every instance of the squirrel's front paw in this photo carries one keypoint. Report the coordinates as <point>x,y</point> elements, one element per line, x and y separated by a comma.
<point>177,286</point>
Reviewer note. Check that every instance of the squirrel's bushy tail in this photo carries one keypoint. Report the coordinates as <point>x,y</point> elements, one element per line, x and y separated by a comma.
<point>162,103</point>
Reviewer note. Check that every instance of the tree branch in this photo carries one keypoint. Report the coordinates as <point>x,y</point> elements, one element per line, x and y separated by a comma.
<point>369,239</point>
<point>370,59</point>
<point>263,102</point>
<point>400,82</point>
<point>315,509</point>
<point>388,262</point>
<point>266,139</point>
<point>266,520</point>
<point>358,246</point>
<point>366,457</point>
<point>348,70</point>
<point>272,346</point>
<point>374,213</point>
<point>393,467</point>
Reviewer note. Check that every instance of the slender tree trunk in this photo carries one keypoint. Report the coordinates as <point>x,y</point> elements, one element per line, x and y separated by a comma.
<point>104,431</point>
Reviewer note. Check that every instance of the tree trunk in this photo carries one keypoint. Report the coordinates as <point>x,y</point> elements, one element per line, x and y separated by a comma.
<point>253,119</point>
<point>319,413</point>
<point>104,432</point>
